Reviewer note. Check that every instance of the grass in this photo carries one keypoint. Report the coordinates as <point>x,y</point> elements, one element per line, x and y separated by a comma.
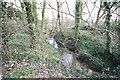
<point>21,74</point>
<point>27,63</point>
<point>45,59</point>
<point>19,45</point>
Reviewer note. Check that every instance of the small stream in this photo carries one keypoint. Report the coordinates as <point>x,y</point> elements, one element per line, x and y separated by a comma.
<point>68,58</point>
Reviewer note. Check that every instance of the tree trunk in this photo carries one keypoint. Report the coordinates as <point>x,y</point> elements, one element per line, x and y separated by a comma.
<point>43,13</point>
<point>5,47</point>
<point>78,16</point>
<point>119,30</point>
<point>30,19</point>
<point>58,24</point>
<point>98,14</point>
<point>107,21</point>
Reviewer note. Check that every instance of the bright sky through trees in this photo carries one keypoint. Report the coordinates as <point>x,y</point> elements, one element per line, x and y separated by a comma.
<point>89,12</point>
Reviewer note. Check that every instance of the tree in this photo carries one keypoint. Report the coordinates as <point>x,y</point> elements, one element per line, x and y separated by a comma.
<point>5,31</point>
<point>43,13</point>
<point>107,22</point>
<point>58,14</point>
<point>108,6</point>
<point>78,17</point>
<point>30,10</point>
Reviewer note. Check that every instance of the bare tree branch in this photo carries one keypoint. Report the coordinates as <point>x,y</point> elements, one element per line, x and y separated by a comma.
<point>104,10</point>
<point>85,21</point>
<point>67,6</point>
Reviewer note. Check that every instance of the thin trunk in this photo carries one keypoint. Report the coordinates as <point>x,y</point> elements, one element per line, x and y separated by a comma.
<point>98,14</point>
<point>53,20</point>
<point>58,15</point>
<point>119,30</point>
<point>107,20</point>
<point>35,15</point>
<point>119,38</point>
<point>78,16</point>
<point>43,13</point>
<point>61,17</point>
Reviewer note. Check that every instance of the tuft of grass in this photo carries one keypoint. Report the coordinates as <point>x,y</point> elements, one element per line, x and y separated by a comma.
<point>21,74</point>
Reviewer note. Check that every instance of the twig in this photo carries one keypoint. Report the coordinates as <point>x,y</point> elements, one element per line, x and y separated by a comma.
<point>104,30</point>
<point>67,6</point>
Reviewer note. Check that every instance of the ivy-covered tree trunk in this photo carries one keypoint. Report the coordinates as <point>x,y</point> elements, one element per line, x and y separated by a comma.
<point>35,16</point>
<point>119,30</point>
<point>78,17</point>
<point>5,38</point>
<point>43,13</point>
<point>3,16</point>
<point>107,21</point>
<point>30,19</point>
<point>118,33</point>
<point>58,15</point>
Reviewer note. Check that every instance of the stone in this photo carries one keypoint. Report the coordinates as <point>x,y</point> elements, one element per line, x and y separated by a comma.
<point>67,60</point>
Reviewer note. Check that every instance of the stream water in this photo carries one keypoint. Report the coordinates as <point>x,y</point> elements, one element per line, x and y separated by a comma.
<point>69,59</point>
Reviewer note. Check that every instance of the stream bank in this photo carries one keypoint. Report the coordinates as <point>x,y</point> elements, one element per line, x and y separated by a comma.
<point>68,58</point>
<point>89,51</point>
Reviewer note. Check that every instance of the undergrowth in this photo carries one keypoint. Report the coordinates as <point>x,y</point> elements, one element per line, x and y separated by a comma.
<point>44,61</point>
<point>91,49</point>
